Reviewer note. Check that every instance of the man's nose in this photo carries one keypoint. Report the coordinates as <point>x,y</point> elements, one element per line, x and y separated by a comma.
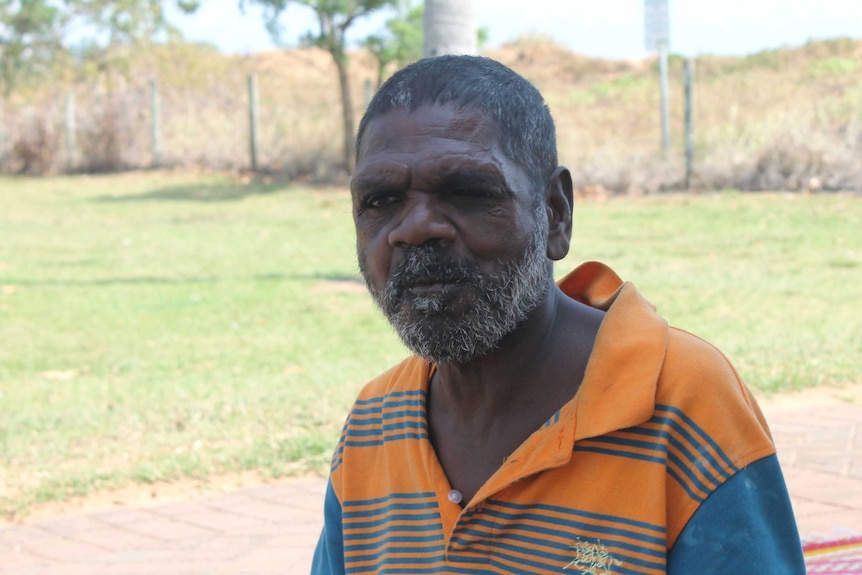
<point>421,221</point>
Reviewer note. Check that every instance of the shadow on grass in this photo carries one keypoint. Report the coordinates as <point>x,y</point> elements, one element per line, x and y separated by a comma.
<point>335,278</point>
<point>158,280</point>
<point>228,192</point>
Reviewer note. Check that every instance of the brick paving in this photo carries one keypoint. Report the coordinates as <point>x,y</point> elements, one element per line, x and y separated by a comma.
<point>272,528</point>
<point>820,449</point>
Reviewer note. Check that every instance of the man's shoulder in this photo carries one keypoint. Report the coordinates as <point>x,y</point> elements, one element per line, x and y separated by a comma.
<point>695,359</point>
<point>701,385</point>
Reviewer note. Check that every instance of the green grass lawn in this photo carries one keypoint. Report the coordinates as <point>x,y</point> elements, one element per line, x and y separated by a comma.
<point>159,326</point>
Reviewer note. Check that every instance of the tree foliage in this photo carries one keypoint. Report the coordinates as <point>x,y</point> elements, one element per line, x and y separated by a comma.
<point>37,34</point>
<point>401,40</point>
<point>30,34</point>
<point>334,18</point>
<point>124,22</point>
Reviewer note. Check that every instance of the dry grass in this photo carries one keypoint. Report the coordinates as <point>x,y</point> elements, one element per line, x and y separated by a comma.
<point>781,119</point>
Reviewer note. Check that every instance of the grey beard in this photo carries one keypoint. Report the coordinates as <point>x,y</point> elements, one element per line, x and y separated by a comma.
<point>497,303</point>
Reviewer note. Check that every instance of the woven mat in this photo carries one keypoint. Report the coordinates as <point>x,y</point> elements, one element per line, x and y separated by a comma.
<point>838,557</point>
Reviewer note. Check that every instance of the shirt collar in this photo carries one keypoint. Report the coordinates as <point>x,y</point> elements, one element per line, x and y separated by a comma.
<point>619,385</point>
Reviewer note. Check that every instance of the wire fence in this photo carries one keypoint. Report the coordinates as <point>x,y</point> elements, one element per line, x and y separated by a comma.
<point>777,124</point>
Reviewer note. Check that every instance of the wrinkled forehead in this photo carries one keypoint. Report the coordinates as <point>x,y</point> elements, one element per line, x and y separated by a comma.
<point>401,126</point>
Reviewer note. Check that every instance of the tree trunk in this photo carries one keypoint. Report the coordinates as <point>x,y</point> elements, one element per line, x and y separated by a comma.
<point>346,112</point>
<point>449,27</point>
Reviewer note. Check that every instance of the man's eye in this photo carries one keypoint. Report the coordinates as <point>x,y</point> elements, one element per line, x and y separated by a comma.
<point>476,193</point>
<point>381,200</point>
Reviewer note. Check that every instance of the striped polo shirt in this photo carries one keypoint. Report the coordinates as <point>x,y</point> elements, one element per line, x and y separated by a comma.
<point>614,482</point>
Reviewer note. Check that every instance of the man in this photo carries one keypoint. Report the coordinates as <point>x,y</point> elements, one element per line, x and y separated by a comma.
<point>538,428</point>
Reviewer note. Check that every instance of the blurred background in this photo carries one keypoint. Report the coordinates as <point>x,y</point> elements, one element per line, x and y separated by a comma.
<point>111,85</point>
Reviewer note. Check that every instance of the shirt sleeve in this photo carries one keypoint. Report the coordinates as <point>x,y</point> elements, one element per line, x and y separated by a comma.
<point>329,555</point>
<point>744,526</point>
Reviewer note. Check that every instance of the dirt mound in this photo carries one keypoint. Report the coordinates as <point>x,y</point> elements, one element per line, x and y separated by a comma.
<point>543,60</point>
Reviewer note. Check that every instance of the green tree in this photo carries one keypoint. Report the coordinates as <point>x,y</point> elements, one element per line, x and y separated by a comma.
<point>334,19</point>
<point>30,35</point>
<point>125,22</point>
<point>103,26</point>
<point>34,34</point>
<point>401,40</point>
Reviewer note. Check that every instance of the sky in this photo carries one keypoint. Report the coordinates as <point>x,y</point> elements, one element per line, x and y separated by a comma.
<point>598,28</point>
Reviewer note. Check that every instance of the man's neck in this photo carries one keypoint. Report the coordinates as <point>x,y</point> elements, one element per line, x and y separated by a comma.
<point>539,364</point>
<point>479,413</point>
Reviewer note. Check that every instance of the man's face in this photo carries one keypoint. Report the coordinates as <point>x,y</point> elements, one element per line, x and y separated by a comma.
<point>450,238</point>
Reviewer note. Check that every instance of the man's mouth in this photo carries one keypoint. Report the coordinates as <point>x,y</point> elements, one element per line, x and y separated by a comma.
<point>428,288</point>
<point>424,274</point>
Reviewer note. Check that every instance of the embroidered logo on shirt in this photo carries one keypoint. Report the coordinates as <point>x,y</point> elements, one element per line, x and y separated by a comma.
<point>592,558</point>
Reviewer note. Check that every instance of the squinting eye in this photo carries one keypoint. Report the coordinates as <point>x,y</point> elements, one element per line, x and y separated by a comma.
<point>472,193</point>
<point>378,201</point>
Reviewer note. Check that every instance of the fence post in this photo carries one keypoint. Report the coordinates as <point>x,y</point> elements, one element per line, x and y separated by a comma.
<point>70,131</point>
<point>689,121</point>
<point>156,123</point>
<point>2,135</point>
<point>662,67</point>
<point>252,119</point>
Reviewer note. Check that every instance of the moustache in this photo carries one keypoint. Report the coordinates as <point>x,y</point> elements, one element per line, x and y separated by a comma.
<point>425,265</point>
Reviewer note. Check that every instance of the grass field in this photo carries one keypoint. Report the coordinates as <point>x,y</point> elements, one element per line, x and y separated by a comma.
<point>163,326</point>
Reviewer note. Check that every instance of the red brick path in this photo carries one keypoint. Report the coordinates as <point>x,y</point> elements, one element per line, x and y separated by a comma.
<point>272,529</point>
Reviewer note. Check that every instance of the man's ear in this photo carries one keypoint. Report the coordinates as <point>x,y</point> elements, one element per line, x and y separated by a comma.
<point>558,205</point>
